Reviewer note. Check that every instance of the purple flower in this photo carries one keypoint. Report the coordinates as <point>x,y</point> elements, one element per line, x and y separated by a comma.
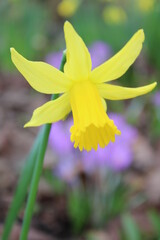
<point>67,155</point>
<point>66,168</point>
<point>54,59</point>
<point>59,138</point>
<point>100,52</point>
<point>156,99</point>
<point>116,156</point>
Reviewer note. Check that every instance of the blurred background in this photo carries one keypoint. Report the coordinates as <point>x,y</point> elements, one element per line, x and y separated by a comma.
<point>111,194</point>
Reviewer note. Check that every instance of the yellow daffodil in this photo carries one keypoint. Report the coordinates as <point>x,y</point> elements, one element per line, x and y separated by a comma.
<point>114,15</point>
<point>67,8</point>
<point>83,91</point>
<point>146,5</point>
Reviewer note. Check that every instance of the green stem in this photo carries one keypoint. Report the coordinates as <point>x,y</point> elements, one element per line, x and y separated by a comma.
<point>21,189</point>
<point>37,172</point>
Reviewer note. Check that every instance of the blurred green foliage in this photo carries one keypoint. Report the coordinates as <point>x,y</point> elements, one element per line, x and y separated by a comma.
<point>78,209</point>
<point>23,26</point>
<point>155,221</point>
<point>90,24</point>
<point>34,28</point>
<point>55,183</point>
<point>130,228</point>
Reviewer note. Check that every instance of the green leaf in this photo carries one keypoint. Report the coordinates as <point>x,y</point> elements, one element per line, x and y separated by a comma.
<point>130,228</point>
<point>56,184</point>
<point>22,188</point>
<point>155,220</point>
<point>79,210</point>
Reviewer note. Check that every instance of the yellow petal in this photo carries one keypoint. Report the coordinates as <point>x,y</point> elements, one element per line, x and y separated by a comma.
<point>78,65</point>
<point>104,104</point>
<point>41,76</point>
<point>92,126</point>
<point>119,63</point>
<point>113,92</point>
<point>50,112</point>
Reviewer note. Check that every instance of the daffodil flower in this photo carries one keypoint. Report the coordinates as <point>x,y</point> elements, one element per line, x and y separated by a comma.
<point>67,8</point>
<point>82,91</point>
<point>114,15</point>
<point>146,5</point>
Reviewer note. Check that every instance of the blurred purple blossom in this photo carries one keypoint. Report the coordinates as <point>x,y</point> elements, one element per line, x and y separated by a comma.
<point>100,52</point>
<point>156,99</point>
<point>62,146</point>
<point>116,156</point>
<point>54,59</point>
<point>60,138</point>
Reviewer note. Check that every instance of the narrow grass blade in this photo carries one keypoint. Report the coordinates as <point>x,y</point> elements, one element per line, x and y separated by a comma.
<point>154,218</point>
<point>22,187</point>
<point>130,228</point>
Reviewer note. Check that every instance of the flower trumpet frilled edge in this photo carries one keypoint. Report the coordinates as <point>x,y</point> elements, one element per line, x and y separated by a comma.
<point>82,90</point>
